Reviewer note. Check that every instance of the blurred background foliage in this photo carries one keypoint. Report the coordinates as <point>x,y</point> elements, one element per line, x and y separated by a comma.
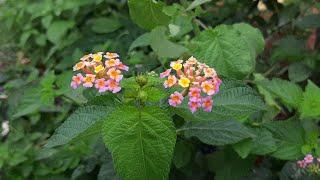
<point>41,40</point>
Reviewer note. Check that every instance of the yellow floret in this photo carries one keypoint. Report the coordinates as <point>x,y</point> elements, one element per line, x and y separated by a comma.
<point>97,57</point>
<point>98,69</point>
<point>184,82</point>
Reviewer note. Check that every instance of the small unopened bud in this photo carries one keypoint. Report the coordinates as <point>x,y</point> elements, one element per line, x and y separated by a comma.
<point>142,80</point>
<point>143,95</point>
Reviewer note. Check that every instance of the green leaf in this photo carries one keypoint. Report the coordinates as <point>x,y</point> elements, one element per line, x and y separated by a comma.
<point>235,100</point>
<point>227,165</point>
<point>310,21</point>
<point>289,137</point>
<point>155,94</point>
<point>264,142</point>
<point>289,92</point>
<point>229,49</point>
<point>180,25</point>
<point>141,142</point>
<point>182,154</point>
<point>298,72</point>
<point>163,47</point>
<point>47,93</point>
<point>289,48</point>
<point>58,29</point>
<point>243,148</point>
<point>196,3</point>
<point>29,102</point>
<point>217,132</point>
<point>310,106</point>
<point>148,13</point>
<point>79,122</point>
<point>143,40</point>
<point>252,35</point>
<point>105,25</point>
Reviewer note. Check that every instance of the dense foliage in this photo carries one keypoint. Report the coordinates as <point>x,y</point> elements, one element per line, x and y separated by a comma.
<point>264,118</point>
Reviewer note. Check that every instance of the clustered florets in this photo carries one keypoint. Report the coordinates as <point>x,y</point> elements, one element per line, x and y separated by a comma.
<point>102,70</point>
<point>196,79</point>
<point>310,163</point>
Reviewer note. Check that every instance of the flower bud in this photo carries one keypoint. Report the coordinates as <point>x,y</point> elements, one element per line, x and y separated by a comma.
<point>142,80</point>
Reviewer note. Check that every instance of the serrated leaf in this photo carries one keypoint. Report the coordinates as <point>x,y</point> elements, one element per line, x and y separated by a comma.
<point>79,122</point>
<point>310,106</point>
<point>141,142</point>
<point>148,13</point>
<point>235,100</point>
<point>252,35</point>
<point>217,132</point>
<point>289,137</point>
<point>228,49</point>
<point>289,92</point>
<point>155,94</point>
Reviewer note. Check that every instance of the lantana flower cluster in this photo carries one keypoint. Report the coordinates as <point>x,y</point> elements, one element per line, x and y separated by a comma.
<point>199,82</point>
<point>310,163</point>
<point>101,70</point>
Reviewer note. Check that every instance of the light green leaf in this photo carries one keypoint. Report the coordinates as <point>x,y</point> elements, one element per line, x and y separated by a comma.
<point>82,120</point>
<point>243,148</point>
<point>163,47</point>
<point>229,49</point>
<point>310,106</point>
<point>141,142</point>
<point>217,132</point>
<point>264,142</point>
<point>289,137</point>
<point>196,3</point>
<point>105,25</point>
<point>148,13</point>
<point>58,29</point>
<point>235,100</point>
<point>289,92</point>
<point>252,35</point>
<point>155,94</point>
<point>29,103</point>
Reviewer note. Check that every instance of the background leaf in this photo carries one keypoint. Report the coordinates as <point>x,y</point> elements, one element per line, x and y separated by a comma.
<point>217,132</point>
<point>148,13</point>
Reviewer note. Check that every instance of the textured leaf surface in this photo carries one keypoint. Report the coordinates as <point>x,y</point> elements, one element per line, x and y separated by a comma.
<point>217,132</point>
<point>289,92</point>
<point>289,137</point>
<point>234,101</point>
<point>229,49</point>
<point>79,122</point>
<point>148,13</point>
<point>310,107</point>
<point>141,142</point>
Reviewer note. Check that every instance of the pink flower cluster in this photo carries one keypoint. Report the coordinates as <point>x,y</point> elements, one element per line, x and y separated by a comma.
<point>307,160</point>
<point>196,79</point>
<point>101,70</point>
